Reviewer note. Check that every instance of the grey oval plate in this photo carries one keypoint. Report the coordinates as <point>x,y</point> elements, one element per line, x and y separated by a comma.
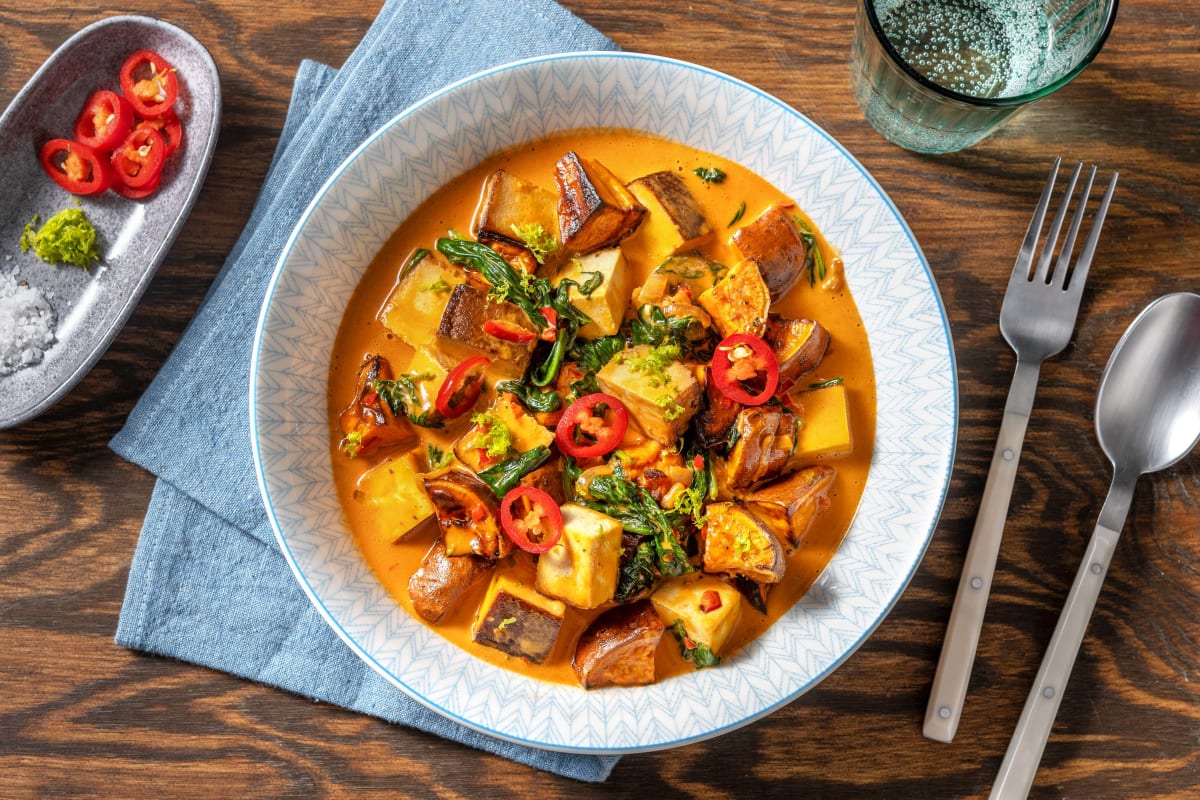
<point>134,235</point>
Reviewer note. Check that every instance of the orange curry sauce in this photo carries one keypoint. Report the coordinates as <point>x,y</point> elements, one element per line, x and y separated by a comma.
<point>628,155</point>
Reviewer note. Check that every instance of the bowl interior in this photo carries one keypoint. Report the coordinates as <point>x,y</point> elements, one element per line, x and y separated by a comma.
<point>385,180</point>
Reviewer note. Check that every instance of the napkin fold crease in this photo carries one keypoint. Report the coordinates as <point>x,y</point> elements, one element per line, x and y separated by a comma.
<point>208,584</point>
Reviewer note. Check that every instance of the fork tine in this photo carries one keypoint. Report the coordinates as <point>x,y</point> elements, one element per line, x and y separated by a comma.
<point>1080,272</point>
<point>1042,274</point>
<point>1024,261</point>
<point>1062,266</point>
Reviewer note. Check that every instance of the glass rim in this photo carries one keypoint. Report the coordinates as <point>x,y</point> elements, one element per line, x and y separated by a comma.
<point>991,102</point>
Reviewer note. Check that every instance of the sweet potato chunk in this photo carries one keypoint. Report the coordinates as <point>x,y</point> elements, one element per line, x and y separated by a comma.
<point>799,345</point>
<point>789,506</point>
<point>773,243</point>
<point>442,579</point>
<point>618,648</point>
<point>468,514</point>
<point>595,209</point>
<point>739,301</point>
<point>737,542</point>
<point>766,439</point>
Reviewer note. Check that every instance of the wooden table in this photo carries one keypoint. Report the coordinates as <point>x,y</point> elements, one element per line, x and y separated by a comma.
<point>81,716</point>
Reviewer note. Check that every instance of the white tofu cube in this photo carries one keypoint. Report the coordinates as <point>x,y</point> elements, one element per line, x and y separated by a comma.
<point>583,566</point>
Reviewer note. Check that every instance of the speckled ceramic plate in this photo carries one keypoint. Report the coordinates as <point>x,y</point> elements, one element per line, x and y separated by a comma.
<point>91,307</point>
<point>384,181</point>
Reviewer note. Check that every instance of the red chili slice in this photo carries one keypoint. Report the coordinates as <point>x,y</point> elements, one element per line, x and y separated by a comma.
<point>461,388</point>
<point>169,126</point>
<point>745,369</point>
<point>592,426</point>
<point>148,81</point>
<point>139,160</point>
<point>76,167</point>
<point>550,333</point>
<point>137,194</point>
<point>105,121</point>
<point>536,524</point>
<point>508,331</point>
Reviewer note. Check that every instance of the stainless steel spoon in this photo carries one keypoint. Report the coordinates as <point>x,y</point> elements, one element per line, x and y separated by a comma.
<point>1147,418</point>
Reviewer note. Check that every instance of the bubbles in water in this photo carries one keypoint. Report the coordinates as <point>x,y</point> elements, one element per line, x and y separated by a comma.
<point>981,48</point>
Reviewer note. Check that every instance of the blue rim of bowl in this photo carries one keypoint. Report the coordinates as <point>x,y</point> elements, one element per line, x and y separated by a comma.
<point>868,8</point>
<point>303,579</point>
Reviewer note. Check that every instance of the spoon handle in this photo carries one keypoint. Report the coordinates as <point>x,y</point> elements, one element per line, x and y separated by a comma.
<point>1020,764</point>
<point>966,619</point>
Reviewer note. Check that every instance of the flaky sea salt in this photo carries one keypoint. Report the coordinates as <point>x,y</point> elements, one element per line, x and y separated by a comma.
<point>27,323</point>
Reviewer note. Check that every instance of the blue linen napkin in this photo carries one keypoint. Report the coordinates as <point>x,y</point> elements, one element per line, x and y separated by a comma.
<point>208,584</point>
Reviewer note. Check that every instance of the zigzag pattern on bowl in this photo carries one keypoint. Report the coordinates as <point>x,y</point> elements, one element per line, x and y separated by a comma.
<point>423,148</point>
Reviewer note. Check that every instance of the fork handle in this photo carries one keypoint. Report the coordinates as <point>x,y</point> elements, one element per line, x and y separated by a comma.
<point>966,619</point>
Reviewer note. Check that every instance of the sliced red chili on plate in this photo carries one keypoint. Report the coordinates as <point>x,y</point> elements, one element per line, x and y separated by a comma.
<point>461,388</point>
<point>592,426</point>
<point>531,518</point>
<point>508,331</point>
<point>169,126</point>
<point>138,161</point>
<point>76,167</point>
<point>148,81</point>
<point>136,194</point>
<point>105,121</point>
<point>745,369</point>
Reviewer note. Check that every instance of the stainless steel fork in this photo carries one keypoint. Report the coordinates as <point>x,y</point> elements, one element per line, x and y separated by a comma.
<point>1036,318</point>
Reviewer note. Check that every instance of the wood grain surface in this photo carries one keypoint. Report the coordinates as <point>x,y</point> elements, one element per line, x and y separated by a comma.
<point>82,717</point>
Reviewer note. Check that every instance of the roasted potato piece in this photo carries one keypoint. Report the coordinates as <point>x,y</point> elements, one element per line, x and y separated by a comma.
<point>766,439</point>
<point>511,207</point>
<point>515,619</point>
<point>442,579</point>
<point>674,221</point>
<point>605,306</point>
<point>737,542</point>
<point>799,345</point>
<point>594,209</point>
<point>582,567</point>
<point>773,244</point>
<point>825,432</point>
<point>414,307</point>
<point>468,514</point>
<point>369,422</point>
<point>739,302</point>
<point>789,506</point>
<point>394,492</point>
<point>619,647</point>
<point>707,605</point>
<point>717,414</point>
<point>661,397</point>
<point>460,333</point>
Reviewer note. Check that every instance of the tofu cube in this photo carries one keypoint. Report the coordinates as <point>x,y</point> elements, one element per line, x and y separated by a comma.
<point>684,599</point>
<point>414,307</point>
<point>595,210</point>
<point>825,424</point>
<point>525,431</point>
<point>582,567</point>
<point>606,305</point>
<point>510,204</point>
<point>661,398</point>
<point>396,496</point>
<point>460,333</point>
<point>774,243</point>
<point>674,220</point>
<point>515,619</point>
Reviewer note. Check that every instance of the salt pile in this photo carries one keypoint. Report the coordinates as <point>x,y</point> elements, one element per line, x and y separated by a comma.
<point>26,324</point>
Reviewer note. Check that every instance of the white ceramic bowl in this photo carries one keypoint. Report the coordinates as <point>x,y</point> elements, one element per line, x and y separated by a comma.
<point>440,137</point>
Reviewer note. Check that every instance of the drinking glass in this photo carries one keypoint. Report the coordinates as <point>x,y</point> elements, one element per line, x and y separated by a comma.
<point>935,76</point>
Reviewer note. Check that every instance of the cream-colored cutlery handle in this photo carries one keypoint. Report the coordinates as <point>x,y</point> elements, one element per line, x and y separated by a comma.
<point>1020,764</point>
<point>966,619</point>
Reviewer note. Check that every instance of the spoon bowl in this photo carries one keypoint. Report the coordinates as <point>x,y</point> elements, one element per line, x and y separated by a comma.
<point>1148,406</point>
<point>1147,418</point>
